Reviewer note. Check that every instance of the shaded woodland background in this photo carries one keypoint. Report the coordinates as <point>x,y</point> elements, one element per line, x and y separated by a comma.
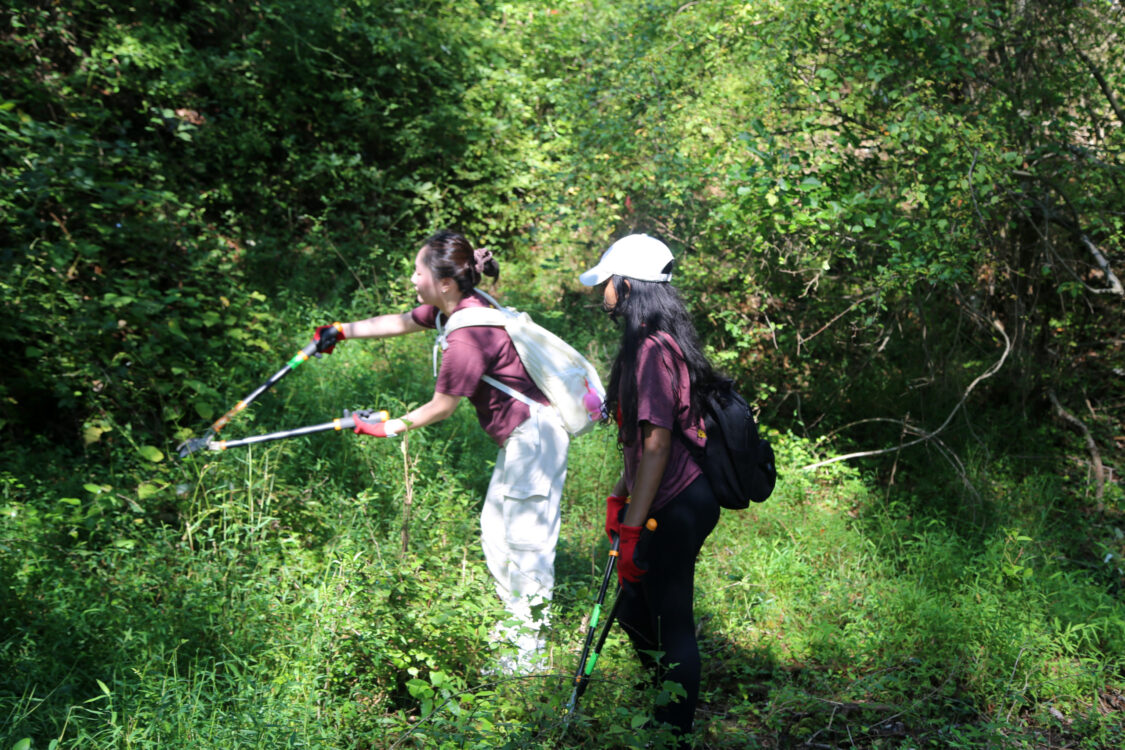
<point>900,226</point>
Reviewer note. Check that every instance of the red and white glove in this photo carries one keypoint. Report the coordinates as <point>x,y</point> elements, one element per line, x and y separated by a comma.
<point>627,567</point>
<point>326,337</point>
<point>614,512</point>
<point>375,429</point>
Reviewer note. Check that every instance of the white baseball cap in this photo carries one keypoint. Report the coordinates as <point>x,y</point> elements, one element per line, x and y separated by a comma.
<point>636,256</point>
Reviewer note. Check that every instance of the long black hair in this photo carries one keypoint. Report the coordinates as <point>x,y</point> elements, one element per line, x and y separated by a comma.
<point>450,255</point>
<point>644,309</point>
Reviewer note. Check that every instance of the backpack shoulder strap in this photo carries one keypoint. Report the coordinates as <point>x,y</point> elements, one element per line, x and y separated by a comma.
<point>531,403</point>
<point>498,315</point>
<point>473,316</point>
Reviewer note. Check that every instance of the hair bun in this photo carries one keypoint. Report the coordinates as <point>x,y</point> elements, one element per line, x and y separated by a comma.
<point>484,263</point>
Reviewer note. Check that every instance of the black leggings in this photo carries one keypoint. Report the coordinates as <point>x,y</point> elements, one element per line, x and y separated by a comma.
<point>657,611</point>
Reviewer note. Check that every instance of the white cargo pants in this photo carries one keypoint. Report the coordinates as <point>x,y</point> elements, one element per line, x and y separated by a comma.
<point>521,517</point>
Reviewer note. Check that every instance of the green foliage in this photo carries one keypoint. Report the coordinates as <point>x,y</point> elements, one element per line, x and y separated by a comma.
<point>872,204</point>
<point>166,171</point>
<point>262,596</point>
<point>843,182</point>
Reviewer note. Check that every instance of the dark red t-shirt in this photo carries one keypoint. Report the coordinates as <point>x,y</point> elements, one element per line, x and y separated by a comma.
<point>483,350</point>
<point>662,404</point>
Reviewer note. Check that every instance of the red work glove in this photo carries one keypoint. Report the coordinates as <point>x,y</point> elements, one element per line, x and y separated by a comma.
<point>326,337</point>
<point>375,429</point>
<point>627,568</point>
<point>614,511</point>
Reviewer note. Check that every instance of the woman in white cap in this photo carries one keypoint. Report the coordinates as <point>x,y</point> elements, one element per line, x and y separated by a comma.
<point>520,519</point>
<point>655,390</point>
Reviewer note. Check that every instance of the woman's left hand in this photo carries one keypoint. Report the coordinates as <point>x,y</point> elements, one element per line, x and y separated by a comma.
<point>627,567</point>
<point>614,509</point>
<point>326,337</point>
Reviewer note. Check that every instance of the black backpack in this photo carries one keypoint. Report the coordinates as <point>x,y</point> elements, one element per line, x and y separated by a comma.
<point>738,464</point>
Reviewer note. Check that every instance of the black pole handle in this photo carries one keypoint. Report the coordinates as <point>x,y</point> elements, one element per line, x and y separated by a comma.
<point>586,667</point>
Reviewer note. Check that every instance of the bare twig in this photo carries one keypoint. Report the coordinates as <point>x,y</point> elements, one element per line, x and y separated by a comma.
<point>1102,83</point>
<point>908,429</point>
<point>813,284</point>
<point>898,453</point>
<point>973,193</point>
<point>1091,445</point>
<point>1074,225</point>
<point>849,706</point>
<point>773,331</point>
<point>801,339</point>
<point>1103,263</point>
<point>929,436</point>
<point>408,482</point>
<point>61,223</point>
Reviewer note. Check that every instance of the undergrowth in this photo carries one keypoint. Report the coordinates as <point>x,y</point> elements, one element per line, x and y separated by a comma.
<point>284,595</point>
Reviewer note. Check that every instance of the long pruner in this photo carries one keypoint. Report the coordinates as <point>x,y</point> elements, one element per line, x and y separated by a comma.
<point>589,658</point>
<point>346,422</point>
<point>190,446</point>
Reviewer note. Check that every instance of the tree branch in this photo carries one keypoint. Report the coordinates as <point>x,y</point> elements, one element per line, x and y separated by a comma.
<point>1103,263</point>
<point>1102,83</point>
<point>932,435</point>
<point>1074,226</point>
<point>802,340</point>
<point>1091,445</point>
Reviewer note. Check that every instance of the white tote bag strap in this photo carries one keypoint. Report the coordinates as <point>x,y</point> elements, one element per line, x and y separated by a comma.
<point>491,300</point>
<point>531,403</point>
<point>485,317</point>
<point>441,344</point>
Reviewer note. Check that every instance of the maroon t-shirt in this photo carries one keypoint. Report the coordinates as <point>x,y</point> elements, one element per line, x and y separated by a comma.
<point>483,350</point>
<point>661,404</point>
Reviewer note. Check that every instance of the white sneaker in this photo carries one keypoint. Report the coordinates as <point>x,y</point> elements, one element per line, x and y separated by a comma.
<point>519,650</point>
<point>503,666</point>
<point>531,654</point>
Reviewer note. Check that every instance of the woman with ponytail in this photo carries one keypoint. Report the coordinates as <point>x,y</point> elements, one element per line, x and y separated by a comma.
<point>520,519</point>
<point>656,389</point>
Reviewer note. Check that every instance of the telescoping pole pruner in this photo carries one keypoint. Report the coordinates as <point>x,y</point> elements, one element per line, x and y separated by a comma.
<point>589,658</point>
<point>190,446</point>
<point>346,422</point>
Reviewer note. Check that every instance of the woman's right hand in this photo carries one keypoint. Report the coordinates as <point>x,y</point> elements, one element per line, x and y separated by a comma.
<point>382,429</point>
<point>628,568</point>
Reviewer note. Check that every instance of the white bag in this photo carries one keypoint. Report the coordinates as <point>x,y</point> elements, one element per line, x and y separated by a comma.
<point>567,379</point>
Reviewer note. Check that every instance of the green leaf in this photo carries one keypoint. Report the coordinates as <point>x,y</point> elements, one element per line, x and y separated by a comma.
<point>92,434</point>
<point>151,453</point>
<point>203,408</point>
<point>147,489</point>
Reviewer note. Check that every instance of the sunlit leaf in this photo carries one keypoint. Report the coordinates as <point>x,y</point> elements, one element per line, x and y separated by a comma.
<point>152,453</point>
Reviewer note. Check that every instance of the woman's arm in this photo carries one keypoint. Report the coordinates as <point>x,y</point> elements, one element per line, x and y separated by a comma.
<point>619,489</point>
<point>440,407</point>
<point>381,326</point>
<point>655,449</point>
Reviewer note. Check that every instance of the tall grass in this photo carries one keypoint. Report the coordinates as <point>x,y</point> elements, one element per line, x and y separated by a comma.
<point>263,598</point>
